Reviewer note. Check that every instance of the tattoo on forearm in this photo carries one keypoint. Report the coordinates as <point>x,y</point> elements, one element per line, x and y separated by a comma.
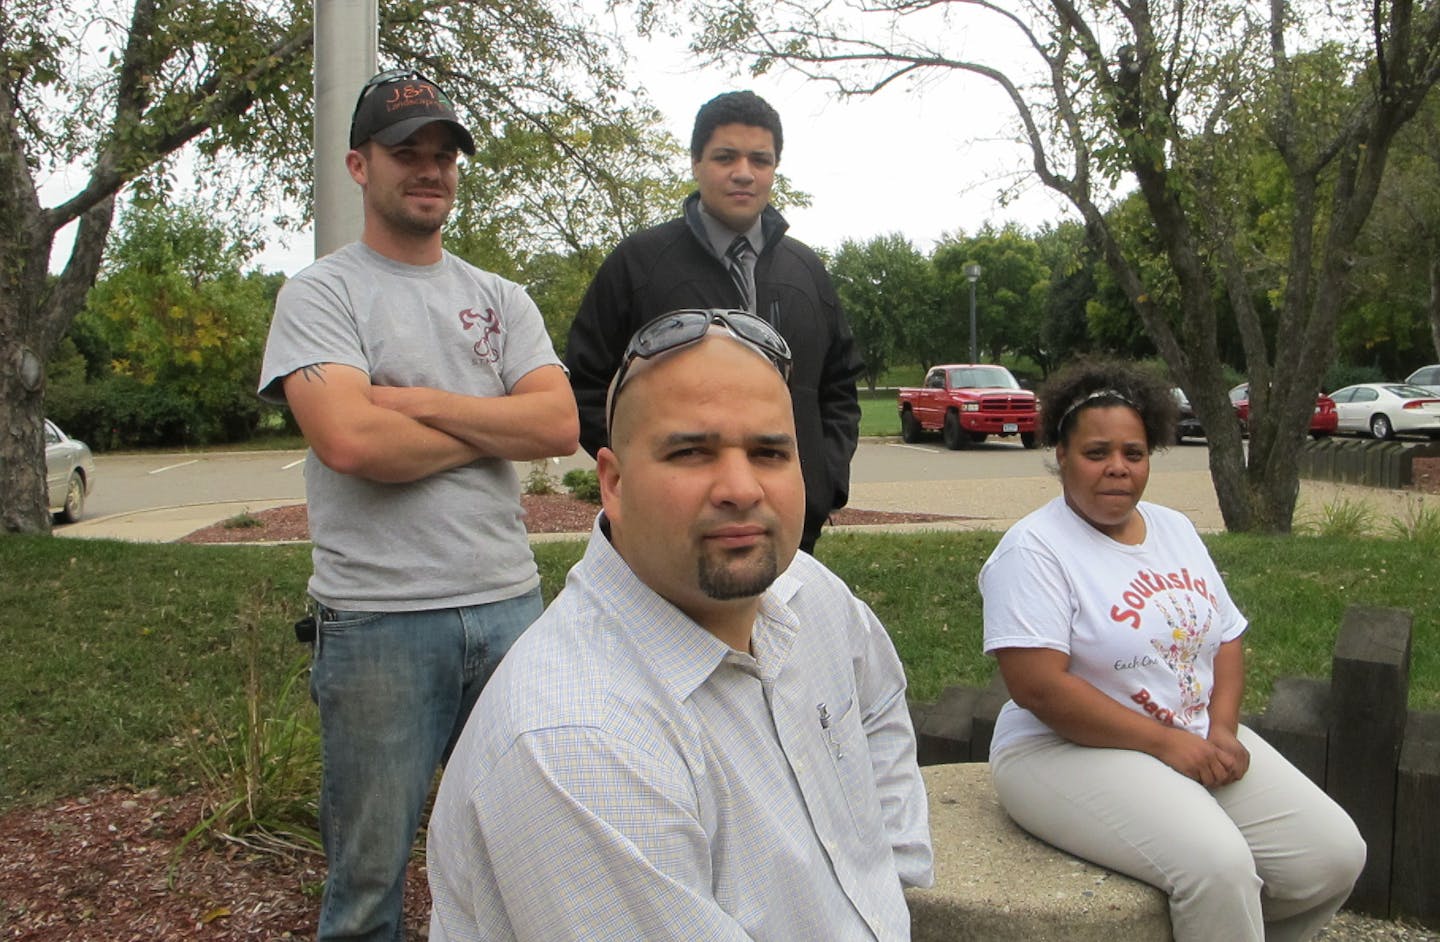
<point>314,372</point>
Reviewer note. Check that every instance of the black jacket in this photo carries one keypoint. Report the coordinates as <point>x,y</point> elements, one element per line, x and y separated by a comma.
<point>673,266</point>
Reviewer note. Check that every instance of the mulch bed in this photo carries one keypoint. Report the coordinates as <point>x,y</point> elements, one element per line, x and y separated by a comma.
<point>108,866</point>
<point>544,513</point>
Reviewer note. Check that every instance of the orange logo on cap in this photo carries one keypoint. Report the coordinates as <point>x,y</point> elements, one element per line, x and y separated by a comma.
<point>406,95</point>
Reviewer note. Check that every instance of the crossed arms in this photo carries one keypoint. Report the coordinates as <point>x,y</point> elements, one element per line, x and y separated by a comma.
<point>397,434</point>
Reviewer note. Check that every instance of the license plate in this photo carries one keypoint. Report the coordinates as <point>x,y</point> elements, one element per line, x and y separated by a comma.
<point>1011,427</point>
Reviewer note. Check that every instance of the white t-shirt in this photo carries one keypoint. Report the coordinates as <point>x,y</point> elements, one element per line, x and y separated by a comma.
<point>1140,623</point>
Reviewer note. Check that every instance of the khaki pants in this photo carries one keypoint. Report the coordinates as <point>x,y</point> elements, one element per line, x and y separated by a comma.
<point>1268,857</point>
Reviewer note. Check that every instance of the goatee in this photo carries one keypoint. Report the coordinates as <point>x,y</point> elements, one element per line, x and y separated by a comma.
<point>738,579</point>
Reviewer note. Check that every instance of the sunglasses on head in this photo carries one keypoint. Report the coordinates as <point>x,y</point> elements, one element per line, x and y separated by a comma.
<point>682,328</point>
<point>389,77</point>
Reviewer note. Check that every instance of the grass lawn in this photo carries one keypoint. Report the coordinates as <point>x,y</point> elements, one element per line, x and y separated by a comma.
<point>878,413</point>
<point>129,662</point>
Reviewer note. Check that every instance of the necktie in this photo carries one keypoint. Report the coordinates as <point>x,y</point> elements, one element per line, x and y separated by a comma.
<point>740,259</point>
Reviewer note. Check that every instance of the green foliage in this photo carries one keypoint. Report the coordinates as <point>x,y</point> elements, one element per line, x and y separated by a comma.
<point>1114,324</point>
<point>1072,260</point>
<point>887,288</point>
<point>121,412</point>
<point>583,484</point>
<point>539,480</point>
<point>1342,519</point>
<point>1010,294</point>
<point>1340,375</point>
<point>176,333</point>
<point>1387,327</point>
<point>1386,335</point>
<point>557,283</point>
<point>1419,523</point>
<point>261,769</point>
<point>520,205</point>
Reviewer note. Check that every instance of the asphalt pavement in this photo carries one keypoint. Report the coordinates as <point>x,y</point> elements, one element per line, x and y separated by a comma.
<point>887,476</point>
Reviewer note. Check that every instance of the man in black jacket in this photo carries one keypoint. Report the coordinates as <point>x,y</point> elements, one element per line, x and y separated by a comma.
<point>729,250</point>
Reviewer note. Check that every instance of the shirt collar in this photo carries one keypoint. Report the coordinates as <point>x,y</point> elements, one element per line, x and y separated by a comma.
<point>721,235</point>
<point>681,653</point>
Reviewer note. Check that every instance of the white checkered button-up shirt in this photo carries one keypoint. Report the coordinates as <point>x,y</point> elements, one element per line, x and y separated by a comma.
<point>626,775</point>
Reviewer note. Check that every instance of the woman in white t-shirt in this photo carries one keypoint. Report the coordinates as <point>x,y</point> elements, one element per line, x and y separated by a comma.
<point>1123,653</point>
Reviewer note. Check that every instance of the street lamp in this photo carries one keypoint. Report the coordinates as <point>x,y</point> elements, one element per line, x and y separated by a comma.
<point>972,275</point>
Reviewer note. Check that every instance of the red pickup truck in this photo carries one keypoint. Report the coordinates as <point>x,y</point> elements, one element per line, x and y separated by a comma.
<point>968,402</point>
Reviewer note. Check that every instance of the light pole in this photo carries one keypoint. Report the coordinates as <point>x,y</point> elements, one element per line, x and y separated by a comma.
<point>346,40</point>
<point>972,275</point>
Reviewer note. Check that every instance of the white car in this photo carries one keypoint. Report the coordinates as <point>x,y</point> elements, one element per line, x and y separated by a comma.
<point>1427,377</point>
<point>69,473</point>
<point>1385,409</point>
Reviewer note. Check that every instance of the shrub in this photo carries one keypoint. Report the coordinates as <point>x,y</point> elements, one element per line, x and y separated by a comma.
<point>1341,375</point>
<point>119,411</point>
<point>1342,519</point>
<point>582,484</point>
<point>539,481</point>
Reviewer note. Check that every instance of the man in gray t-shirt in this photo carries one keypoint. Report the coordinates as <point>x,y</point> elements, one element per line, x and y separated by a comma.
<point>416,379</point>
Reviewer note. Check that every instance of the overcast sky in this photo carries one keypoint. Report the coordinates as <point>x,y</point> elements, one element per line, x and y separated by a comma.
<point>919,162</point>
<point>922,163</point>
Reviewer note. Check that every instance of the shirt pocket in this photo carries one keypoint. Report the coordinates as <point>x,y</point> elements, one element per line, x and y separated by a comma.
<point>849,756</point>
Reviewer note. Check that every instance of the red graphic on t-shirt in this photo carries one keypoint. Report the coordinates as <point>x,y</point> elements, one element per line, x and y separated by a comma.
<point>1148,704</point>
<point>488,323</point>
<point>1148,582</point>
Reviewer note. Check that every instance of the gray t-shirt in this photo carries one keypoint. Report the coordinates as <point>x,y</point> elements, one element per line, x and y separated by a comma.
<point>454,538</point>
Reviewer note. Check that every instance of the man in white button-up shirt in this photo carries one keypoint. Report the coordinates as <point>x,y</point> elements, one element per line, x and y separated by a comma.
<point>706,735</point>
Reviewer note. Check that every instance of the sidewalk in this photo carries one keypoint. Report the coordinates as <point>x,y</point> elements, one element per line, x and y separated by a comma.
<point>163,524</point>
<point>984,504</point>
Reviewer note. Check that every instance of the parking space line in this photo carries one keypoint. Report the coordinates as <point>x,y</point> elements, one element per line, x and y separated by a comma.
<point>293,464</point>
<point>172,467</point>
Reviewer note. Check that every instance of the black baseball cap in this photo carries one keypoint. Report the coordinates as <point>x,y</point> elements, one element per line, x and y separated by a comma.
<point>395,104</point>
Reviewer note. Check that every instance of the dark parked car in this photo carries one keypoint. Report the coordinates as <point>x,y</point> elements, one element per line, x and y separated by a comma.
<point>69,473</point>
<point>1323,420</point>
<point>1189,425</point>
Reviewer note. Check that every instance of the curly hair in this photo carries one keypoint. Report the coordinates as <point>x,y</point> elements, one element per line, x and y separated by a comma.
<point>734,108</point>
<point>1095,382</point>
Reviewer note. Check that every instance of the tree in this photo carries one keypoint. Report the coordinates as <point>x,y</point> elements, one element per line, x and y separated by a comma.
<point>537,190</point>
<point>1398,266</point>
<point>1010,291</point>
<point>888,291</point>
<point>1165,98</point>
<point>1070,257</point>
<point>119,91</point>
<point>172,310</point>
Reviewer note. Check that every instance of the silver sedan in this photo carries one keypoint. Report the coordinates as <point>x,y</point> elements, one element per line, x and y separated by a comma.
<point>69,473</point>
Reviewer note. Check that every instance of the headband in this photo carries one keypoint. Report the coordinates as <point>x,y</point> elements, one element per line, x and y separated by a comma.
<point>1088,397</point>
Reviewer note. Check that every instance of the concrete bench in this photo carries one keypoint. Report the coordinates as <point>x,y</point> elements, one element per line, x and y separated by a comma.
<point>994,882</point>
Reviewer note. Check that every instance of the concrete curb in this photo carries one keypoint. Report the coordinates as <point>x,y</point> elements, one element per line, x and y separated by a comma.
<point>974,504</point>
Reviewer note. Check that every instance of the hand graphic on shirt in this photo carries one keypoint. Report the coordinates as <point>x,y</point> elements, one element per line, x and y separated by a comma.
<point>1180,649</point>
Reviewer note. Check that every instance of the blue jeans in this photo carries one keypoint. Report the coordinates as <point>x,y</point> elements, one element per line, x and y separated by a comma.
<point>394,690</point>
